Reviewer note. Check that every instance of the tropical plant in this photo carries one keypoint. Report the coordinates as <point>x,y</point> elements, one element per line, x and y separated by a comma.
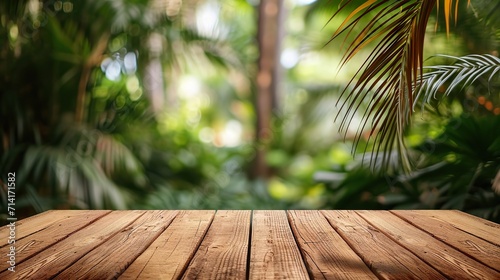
<point>389,78</point>
<point>454,152</point>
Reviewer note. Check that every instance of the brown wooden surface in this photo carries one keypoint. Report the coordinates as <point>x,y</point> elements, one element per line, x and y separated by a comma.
<point>449,261</point>
<point>326,254</point>
<point>209,244</point>
<point>465,222</point>
<point>479,249</point>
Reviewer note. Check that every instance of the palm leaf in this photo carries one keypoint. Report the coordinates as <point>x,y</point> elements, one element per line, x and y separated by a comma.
<point>387,78</point>
<point>465,71</point>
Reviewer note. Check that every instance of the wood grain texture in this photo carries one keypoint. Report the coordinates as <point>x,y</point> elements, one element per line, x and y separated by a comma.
<point>473,246</point>
<point>63,224</point>
<point>385,257</point>
<point>274,253</point>
<point>481,228</point>
<point>170,253</point>
<point>56,258</point>
<point>110,259</point>
<point>326,254</point>
<point>444,258</point>
<point>223,252</point>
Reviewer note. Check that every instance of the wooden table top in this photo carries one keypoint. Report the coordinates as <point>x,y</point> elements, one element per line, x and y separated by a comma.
<point>241,244</point>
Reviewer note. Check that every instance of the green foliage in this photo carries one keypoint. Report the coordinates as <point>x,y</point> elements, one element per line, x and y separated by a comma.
<point>456,171</point>
<point>83,133</point>
<point>235,192</point>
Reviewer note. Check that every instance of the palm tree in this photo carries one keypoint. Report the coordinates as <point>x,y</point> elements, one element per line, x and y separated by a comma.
<point>392,78</point>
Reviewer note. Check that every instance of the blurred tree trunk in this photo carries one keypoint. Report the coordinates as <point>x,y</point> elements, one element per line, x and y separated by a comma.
<point>153,78</point>
<point>270,24</point>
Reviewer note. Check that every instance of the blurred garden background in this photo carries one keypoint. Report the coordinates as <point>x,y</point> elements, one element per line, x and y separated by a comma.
<point>210,104</point>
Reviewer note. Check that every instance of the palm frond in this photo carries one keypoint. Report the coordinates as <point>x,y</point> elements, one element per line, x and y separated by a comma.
<point>465,71</point>
<point>387,78</point>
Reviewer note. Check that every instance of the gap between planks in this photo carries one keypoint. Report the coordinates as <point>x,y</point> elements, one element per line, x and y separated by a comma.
<point>249,246</point>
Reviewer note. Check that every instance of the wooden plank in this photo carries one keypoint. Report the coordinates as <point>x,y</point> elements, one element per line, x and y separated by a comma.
<point>274,253</point>
<point>481,228</point>
<point>110,259</point>
<point>471,245</point>
<point>385,257</point>
<point>449,261</point>
<point>39,222</point>
<point>53,232</point>
<point>326,254</point>
<point>56,258</point>
<point>170,253</point>
<point>35,225</point>
<point>223,252</point>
